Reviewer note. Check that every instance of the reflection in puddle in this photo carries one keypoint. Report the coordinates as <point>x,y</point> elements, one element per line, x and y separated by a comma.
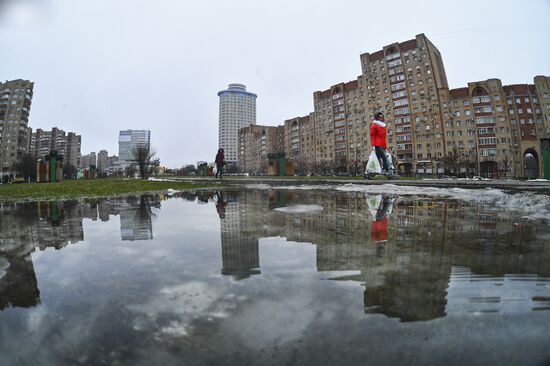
<point>18,285</point>
<point>230,270</point>
<point>511,293</point>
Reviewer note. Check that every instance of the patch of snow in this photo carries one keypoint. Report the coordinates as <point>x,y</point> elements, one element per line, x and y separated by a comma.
<point>530,204</point>
<point>300,209</point>
<point>258,186</point>
<point>170,191</point>
<point>4,265</point>
<point>153,179</point>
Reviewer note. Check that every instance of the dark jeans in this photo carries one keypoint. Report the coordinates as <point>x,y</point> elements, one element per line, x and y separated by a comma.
<point>219,170</point>
<point>383,209</point>
<point>381,155</point>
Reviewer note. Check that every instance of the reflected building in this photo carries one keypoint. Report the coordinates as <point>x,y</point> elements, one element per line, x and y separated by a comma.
<point>412,273</point>
<point>434,257</point>
<point>135,217</point>
<point>471,293</point>
<point>18,284</point>
<point>240,252</point>
<point>31,226</point>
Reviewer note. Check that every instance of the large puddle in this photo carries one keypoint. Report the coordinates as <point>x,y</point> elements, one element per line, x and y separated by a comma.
<point>276,276</point>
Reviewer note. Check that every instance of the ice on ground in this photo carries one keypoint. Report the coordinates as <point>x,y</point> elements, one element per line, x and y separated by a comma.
<point>258,186</point>
<point>4,265</point>
<point>300,209</point>
<point>153,179</point>
<point>170,191</point>
<point>264,186</point>
<point>532,205</point>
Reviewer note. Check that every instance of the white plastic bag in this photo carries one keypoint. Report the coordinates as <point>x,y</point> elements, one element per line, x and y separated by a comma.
<point>373,165</point>
<point>373,202</point>
<point>390,160</point>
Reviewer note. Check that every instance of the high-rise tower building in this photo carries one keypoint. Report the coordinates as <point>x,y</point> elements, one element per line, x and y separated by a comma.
<point>15,105</point>
<point>128,140</point>
<point>237,110</point>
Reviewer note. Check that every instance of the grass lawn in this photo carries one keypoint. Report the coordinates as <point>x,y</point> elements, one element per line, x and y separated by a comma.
<point>89,188</point>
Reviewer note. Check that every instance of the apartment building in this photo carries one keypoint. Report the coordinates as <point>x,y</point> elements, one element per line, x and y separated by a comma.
<point>42,142</point>
<point>341,129</point>
<point>73,153</point>
<point>66,144</point>
<point>299,143</point>
<point>495,130</point>
<point>102,161</point>
<point>255,142</point>
<point>485,128</point>
<point>15,105</point>
<point>404,80</point>
<point>88,160</point>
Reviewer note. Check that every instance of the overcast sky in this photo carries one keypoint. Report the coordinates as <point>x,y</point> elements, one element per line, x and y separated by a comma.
<point>103,65</point>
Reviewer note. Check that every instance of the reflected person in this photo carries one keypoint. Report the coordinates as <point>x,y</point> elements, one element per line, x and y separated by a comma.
<point>220,205</point>
<point>379,228</point>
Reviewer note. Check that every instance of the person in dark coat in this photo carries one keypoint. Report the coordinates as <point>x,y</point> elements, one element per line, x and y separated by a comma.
<point>220,162</point>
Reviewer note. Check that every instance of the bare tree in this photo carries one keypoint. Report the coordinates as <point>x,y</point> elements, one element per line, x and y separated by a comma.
<point>25,166</point>
<point>130,170</point>
<point>144,158</point>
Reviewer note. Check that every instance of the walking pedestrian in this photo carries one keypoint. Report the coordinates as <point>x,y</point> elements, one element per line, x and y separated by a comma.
<point>378,142</point>
<point>220,162</point>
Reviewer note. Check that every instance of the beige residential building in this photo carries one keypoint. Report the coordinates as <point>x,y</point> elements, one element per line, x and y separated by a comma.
<point>486,128</point>
<point>255,142</point>
<point>15,105</point>
<point>494,130</point>
<point>404,80</point>
<point>341,128</point>
<point>299,143</point>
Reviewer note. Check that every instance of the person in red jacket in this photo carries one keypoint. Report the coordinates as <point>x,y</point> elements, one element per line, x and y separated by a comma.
<point>378,142</point>
<point>220,162</point>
